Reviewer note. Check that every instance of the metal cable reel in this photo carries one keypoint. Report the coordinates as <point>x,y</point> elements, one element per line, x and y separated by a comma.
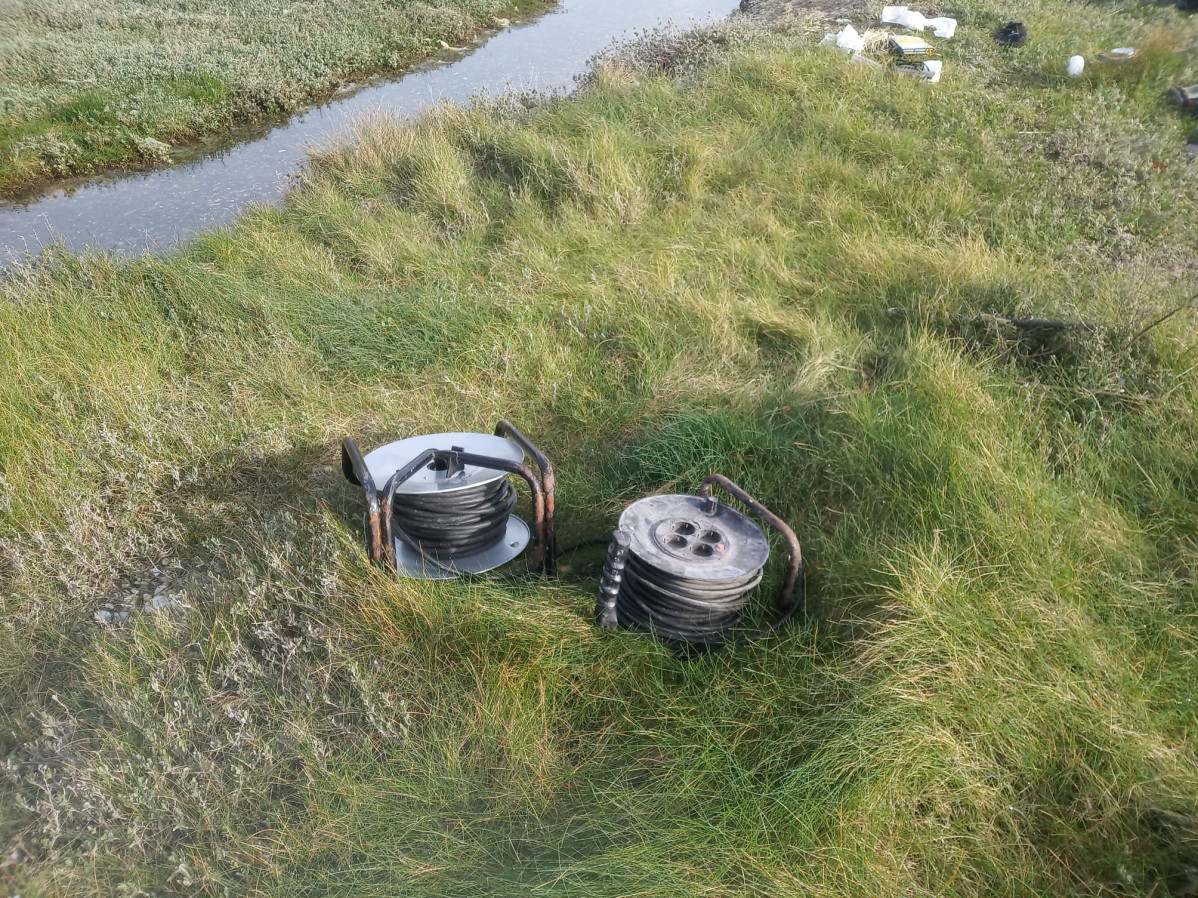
<point>684,567</point>
<point>445,507</point>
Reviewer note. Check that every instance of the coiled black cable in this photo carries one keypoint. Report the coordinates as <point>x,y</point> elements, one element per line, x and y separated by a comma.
<point>456,523</point>
<point>677,609</point>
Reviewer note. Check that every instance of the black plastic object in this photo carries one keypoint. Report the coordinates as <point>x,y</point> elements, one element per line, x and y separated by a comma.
<point>1184,97</point>
<point>1013,34</point>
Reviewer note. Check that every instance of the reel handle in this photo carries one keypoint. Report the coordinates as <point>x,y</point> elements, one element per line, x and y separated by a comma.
<point>787,601</point>
<point>353,466</point>
<point>547,535</point>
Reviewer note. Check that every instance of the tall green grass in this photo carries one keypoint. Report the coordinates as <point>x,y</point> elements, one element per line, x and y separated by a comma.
<point>784,267</point>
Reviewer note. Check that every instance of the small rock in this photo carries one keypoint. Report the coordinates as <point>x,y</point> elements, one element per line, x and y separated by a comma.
<point>151,148</point>
<point>103,616</point>
<point>165,602</point>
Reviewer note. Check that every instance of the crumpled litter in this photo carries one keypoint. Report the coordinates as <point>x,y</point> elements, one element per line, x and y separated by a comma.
<point>942,26</point>
<point>848,40</point>
<point>1119,55</point>
<point>929,70</point>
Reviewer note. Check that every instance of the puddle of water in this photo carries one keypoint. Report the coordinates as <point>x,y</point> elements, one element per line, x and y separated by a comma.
<point>155,209</point>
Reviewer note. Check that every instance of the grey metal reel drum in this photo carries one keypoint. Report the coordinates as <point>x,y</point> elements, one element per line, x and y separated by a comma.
<point>446,501</point>
<point>435,479</point>
<point>684,567</point>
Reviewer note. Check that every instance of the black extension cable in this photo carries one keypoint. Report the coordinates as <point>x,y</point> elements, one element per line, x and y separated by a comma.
<point>457,523</point>
<point>676,609</point>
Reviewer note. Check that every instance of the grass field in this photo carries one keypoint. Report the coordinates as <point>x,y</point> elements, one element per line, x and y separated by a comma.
<point>785,267</point>
<point>86,86</point>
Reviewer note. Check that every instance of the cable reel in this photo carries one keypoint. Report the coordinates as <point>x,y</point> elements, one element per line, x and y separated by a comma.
<point>445,507</point>
<point>683,568</point>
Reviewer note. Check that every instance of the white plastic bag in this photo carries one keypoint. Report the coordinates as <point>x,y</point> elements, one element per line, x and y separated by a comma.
<point>942,26</point>
<point>906,18</point>
<point>848,40</point>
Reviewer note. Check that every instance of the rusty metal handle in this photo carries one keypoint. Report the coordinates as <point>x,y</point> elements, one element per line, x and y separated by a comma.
<point>547,535</point>
<point>353,466</point>
<point>788,602</point>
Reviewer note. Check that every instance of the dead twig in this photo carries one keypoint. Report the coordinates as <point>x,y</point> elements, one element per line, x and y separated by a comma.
<point>1188,304</point>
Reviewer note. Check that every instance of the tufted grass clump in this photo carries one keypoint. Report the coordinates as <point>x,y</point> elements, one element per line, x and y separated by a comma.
<point>779,265</point>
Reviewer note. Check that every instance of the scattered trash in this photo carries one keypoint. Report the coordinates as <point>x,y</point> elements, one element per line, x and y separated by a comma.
<point>1076,65</point>
<point>928,70</point>
<point>1184,97</point>
<point>873,63</point>
<point>942,26</point>
<point>904,45</point>
<point>910,54</point>
<point>1012,34</point>
<point>904,18</point>
<point>848,40</point>
<point>1118,55</point>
